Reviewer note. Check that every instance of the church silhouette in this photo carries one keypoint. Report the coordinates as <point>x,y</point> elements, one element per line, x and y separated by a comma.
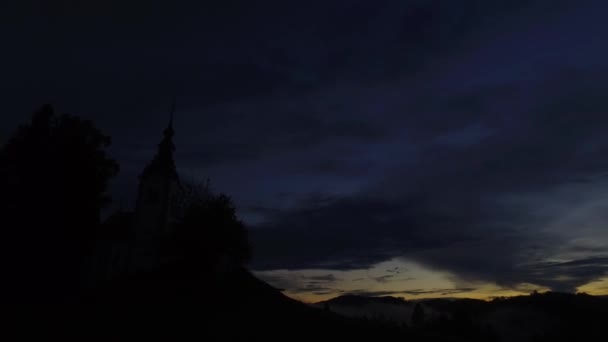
<point>132,242</point>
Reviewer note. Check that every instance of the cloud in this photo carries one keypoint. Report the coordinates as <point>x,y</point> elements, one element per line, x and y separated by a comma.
<point>567,276</point>
<point>312,288</point>
<point>366,293</point>
<point>446,139</point>
<point>414,292</point>
<point>443,292</point>
<point>383,279</point>
<point>323,278</point>
<point>252,135</point>
<point>482,210</point>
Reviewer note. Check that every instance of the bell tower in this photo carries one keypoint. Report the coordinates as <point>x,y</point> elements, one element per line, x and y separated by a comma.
<point>154,210</point>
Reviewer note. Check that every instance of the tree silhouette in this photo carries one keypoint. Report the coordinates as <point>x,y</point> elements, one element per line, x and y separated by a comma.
<point>54,176</point>
<point>210,235</point>
<point>418,316</point>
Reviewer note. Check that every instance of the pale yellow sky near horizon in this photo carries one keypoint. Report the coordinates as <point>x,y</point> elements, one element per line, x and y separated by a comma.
<point>398,278</point>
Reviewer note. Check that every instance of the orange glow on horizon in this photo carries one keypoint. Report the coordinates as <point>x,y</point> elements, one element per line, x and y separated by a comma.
<point>398,278</point>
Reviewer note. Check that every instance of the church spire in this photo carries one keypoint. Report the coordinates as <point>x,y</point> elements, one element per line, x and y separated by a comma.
<point>171,114</point>
<point>163,163</point>
<point>169,132</point>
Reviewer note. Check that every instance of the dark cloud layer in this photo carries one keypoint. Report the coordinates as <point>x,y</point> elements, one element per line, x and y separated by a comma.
<point>467,136</point>
<point>458,210</point>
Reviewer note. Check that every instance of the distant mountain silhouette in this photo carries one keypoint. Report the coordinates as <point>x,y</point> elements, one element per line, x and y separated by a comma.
<point>387,308</point>
<point>537,317</point>
<point>355,300</point>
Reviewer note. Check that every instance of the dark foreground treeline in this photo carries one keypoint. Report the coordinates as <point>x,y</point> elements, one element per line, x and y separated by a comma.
<point>235,306</point>
<point>538,317</point>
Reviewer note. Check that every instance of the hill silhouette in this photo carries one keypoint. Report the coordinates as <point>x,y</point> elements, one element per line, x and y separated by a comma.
<point>232,306</point>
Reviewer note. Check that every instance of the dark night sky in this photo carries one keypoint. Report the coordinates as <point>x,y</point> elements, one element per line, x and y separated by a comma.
<point>420,147</point>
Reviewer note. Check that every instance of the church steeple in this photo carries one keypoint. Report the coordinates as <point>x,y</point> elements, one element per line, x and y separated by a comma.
<point>163,163</point>
<point>155,210</point>
<point>171,114</point>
